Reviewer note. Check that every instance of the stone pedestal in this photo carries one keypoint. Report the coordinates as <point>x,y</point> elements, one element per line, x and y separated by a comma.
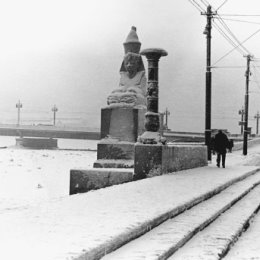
<point>156,159</point>
<point>120,128</point>
<point>124,124</point>
<point>93,179</point>
<point>121,124</point>
<point>117,150</point>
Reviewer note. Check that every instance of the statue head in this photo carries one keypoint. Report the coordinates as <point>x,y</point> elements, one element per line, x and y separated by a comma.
<point>131,63</point>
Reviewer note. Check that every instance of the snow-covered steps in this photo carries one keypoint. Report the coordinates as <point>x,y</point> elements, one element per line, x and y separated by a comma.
<point>215,240</point>
<point>164,240</point>
<point>247,246</point>
<point>91,225</point>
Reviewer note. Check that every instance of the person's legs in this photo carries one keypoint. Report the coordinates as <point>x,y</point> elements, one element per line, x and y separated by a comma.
<point>218,159</point>
<point>223,160</point>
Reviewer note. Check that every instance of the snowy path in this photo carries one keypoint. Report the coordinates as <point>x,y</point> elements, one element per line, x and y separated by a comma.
<point>213,242</point>
<point>165,239</point>
<point>73,225</point>
<point>38,220</point>
<point>248,245</point>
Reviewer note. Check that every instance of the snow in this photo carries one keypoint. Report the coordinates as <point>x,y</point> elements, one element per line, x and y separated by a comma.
<point>248,246</point>
<point>38,219</point>
<point>214,240</point>
<point>168,236</point>
<point>29,177</point>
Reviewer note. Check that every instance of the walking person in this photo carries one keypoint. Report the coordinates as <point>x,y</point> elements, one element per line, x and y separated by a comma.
<point>221,145</point>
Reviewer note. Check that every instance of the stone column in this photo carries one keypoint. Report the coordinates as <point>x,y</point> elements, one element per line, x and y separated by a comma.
<point>152,120</point>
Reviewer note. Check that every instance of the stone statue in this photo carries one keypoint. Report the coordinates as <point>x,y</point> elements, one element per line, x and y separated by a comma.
<point>132,85</point>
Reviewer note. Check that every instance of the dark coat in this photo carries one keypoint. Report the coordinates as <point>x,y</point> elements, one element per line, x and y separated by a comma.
<point>221,143</point>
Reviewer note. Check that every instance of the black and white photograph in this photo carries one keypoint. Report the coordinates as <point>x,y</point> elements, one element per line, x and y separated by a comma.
<point>129,130</point>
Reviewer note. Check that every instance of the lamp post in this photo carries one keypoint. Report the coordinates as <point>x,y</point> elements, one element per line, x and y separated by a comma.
<point>54,110</point>
<point>19,105</point>
<point>152,121</point>
<point>166,113</point>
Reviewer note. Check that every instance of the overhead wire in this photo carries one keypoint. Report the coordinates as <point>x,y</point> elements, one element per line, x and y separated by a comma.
<point>206,3</point>
<point>197,5</point>
<point>237,46</point>
<point>255,76</point>
<point>231,33</point>
<point>225,31</point>
<point>194,5</point>
<point>248,15</point>
<point>221,5</point>
<point>227,67</point>
<point>226,37</point>
<point>236,20</point>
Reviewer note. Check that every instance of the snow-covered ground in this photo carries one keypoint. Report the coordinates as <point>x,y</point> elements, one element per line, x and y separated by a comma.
<point>30,176</point>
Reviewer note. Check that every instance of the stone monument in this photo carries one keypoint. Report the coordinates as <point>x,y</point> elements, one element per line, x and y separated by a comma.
<point>152,155</point>
<point>122,121</point>
<point>130,129</point>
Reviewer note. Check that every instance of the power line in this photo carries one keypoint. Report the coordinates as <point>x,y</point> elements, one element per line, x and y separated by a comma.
<point>254,74</point>
<point>205,2</point>
<point>227,67</point>
<point>227,37</point>
<point>197,6</point>
<point>239,14</point>
<point>221,5</point>
<point>232,34</point>
<point>232,39</point>
<point>237,46</point>
<point>236,20</point>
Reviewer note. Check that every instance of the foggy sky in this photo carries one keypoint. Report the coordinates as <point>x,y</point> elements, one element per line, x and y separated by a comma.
<point>68,53</point>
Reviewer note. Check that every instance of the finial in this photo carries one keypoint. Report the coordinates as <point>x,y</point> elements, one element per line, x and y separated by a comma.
<point>132,43</point>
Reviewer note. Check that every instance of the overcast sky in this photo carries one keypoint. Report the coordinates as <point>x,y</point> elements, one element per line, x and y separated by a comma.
<point>69,52</point>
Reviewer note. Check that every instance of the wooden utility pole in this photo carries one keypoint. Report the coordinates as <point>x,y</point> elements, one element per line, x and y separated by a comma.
<point>247,74</point>
<point>257,116</point>
<point>19,105</point>
<point>207,31</point>
<point>242,113</point>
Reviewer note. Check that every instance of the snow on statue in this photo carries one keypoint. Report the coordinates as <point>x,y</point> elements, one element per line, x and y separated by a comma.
<point>132,85</point>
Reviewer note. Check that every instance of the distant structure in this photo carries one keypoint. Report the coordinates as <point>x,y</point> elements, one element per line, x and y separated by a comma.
<point>18,105</point>
<point>166,113</point>
<point>54,110</point>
